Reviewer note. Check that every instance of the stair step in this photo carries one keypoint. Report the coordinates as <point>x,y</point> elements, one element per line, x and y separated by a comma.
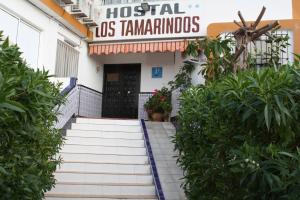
<point>108,121</point>
<point>103,159</point>
<point>103,179</point>
<point>134,151</point>
<point>112,159</point>
<point>105,142</point>
<point>107,127</point>
<point>102,191</point>
<point>105,134</point>
<point>104,168</point>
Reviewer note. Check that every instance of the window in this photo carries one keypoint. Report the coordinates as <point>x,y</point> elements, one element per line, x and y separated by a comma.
<point>28,41</point>
<point>9,24</point>
<point>262,49</point>
<point>263,45</point>
<point>66,60</point>
<point>22,34</point>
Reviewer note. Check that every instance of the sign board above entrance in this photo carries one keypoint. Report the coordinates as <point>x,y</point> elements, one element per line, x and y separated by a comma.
<point>179,18</point>
<point>164,19</point>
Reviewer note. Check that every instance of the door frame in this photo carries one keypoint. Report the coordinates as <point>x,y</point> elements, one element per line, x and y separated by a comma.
<point>120,65</point>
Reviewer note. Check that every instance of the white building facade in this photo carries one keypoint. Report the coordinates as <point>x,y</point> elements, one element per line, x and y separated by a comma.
<point>122,50</point>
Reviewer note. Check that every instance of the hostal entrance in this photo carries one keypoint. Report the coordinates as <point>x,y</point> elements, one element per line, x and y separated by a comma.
<point>121,90</point>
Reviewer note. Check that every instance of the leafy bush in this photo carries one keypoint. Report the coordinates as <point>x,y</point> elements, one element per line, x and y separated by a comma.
<point>220,54</point>
<point>239,136</point>
<point>160,102</point>
<point>28,141</point>
<point>183,79</point>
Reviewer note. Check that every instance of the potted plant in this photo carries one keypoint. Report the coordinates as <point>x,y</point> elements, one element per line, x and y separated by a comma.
<point>159,105</point>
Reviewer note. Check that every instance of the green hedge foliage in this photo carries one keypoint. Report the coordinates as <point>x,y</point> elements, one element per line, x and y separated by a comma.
<point>239,137</point>
<point>28,142</point>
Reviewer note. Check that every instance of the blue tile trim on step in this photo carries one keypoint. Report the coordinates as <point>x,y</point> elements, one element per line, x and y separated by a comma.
<point>157,183</point>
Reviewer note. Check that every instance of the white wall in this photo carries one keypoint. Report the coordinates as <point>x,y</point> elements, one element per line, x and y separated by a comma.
<point>51,30</point>
<point>168,61</point>
<point>214,11</point>
<point>89,72</point>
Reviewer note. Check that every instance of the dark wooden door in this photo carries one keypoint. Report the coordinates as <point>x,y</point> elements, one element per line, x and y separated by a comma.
<point>121,90</point>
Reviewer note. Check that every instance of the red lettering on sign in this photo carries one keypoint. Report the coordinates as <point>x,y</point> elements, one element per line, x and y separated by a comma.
<point>143,27</point>
<point>163,25</point>
<point>123,27</point>
<point>148,28</point>
<point>178,24</point>
<point>97,32</point>
<point>187,24</point>
<point>103,29</point>
<point>112,29</point>
<point>129,29</point>
<point>196,24</point>
<point>170,25</point>
<point>139,27</point>
<point>157,26</point>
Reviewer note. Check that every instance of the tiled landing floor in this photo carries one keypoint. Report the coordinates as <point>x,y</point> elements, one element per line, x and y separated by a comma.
<point>169,173</point>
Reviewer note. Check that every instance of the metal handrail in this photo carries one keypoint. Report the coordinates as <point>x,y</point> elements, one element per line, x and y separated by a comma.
<point>71,85</point>
<point>89,88</point>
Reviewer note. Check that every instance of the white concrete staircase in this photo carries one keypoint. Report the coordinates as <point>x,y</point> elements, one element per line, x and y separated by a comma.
<point>104,159</point>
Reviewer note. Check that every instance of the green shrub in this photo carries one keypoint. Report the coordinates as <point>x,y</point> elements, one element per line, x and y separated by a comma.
<point>182,79</point>
<point>28,141</point>
<point>239,137</point>
<point>220,54</point>
<point>160,102</point>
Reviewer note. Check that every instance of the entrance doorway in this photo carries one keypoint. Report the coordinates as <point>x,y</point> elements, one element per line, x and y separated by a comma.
<point>121,90</point>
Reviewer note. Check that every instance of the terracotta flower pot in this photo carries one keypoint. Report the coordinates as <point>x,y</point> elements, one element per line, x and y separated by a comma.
<point>166,117</point>
<point>157,117</point>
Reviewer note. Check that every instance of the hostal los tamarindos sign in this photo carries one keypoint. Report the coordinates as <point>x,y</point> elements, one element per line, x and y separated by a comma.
<point>165,19</point>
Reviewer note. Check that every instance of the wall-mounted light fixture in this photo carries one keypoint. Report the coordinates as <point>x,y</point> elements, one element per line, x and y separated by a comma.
<point>145,7</point>
<point>98,68</point>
